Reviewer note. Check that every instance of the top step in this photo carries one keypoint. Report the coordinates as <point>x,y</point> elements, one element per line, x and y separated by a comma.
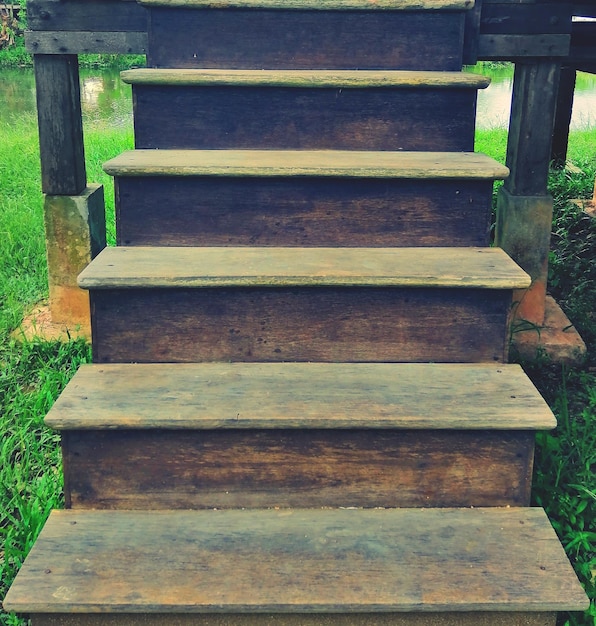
<point>318,5</point>
<point>316,163</point>
<point>307,34</point>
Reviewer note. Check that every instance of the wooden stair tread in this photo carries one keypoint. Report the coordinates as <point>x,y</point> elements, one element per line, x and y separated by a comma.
<point>318,5</point>
<point>328,163</point>
<point>300,395</point>
<point>175,267</point>
<point>305,78</point>
<point>326,561</point>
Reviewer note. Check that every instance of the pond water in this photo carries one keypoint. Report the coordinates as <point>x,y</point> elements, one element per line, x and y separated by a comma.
<point>107,100</point>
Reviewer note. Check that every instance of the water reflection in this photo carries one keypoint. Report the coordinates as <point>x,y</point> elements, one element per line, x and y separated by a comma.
<point>106,100</point>
<point>494,103</point>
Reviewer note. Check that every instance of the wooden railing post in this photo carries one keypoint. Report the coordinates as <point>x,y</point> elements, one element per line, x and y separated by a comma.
<point>74,212</point>
<point>524,208</point>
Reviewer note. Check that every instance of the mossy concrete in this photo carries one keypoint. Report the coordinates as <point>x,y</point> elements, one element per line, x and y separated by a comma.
<point>523,231</point>
<point>75,233</point>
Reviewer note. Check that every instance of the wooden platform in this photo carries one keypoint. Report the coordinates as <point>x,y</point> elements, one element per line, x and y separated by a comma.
<point>298,434</point>
<point>345,79</point>
<point>316,5</point>
<point>141,267</point>
<point>300,395</point>
<point>317,163</point>
<point>300,561</point>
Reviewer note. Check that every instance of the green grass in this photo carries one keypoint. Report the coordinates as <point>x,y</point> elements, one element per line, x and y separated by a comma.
<point>32,374</point>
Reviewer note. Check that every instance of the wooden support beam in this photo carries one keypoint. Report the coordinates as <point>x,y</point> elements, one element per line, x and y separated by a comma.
<point>533,107</point>
<point>60,124</point>
<point>563,116</point>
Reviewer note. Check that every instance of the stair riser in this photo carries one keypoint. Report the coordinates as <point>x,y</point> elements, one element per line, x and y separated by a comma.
<point>217,211</point>
<point>153,469</point>
<point>285,619</point>
<point>241,38</point>
<point>290,118</point>
<point>330,324</point>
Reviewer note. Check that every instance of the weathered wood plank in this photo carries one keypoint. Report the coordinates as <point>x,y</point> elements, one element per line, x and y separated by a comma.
<point>318,5</point>
<point>532,115</point>
<point>305,39</point>
<point>87,42</point>
<point>346,79</point>
<point>299,395</point>
<point>91,15</point>
<point>526,19</point>
<point>304,211</point>
<point>316,163</point>
<point>334,324</point>
<point>319,118</point>
<point>146,267</point>
<point>207,469</point>
<point>309,561</point>
<point>493,47</point>
<point>60,124</point>
<point>287,619</point>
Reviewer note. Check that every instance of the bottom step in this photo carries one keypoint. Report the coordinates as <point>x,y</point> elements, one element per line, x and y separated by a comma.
<point>415,566</point>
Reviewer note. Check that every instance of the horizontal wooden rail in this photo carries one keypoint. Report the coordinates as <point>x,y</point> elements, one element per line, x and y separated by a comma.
<point>506,30</point>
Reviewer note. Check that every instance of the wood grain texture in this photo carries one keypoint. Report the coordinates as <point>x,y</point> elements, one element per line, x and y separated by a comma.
<point>236,38</point>
<point>346,79</point>
<point>503,47</point>
<point>267,117</point>
<point>323,163</point>
<point>332,324</point>
<point>216,211</point>
<point>175,267</point>
<point>60,124</point>
<point>232,469</point>
<point>319,5</point>
<point>526,19</point>
<point>300,395</point>
<point>56,15</point>
<point>288,619</point>
<point>310,561</point>
<point>533,105</point>
<point>85,42</point>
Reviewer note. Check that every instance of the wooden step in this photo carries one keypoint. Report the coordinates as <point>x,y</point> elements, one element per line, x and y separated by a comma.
<point>211,435</point>
<point>303,198</point>
<point>300,304</point>
<point>394,566</point>
<point>265,109</point>
<point>335,34</point>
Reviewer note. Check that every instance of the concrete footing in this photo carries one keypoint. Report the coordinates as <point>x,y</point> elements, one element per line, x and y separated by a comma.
<point>556,338</point>
<point>75,233</point>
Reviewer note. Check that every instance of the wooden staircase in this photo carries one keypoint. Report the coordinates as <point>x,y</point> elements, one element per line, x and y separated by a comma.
<point>300,411</point>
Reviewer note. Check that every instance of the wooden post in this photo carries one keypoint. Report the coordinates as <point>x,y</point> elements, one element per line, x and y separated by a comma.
<point>524,208</point>
<point>563,116</point>
<point>74,214</point>
<point>60,124</point>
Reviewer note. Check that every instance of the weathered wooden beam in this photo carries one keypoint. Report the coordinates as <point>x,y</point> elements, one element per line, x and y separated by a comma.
<point>93,42</point>
<point>530,129</point>
<point>563,116</point>
<point>96,15</point>
<point>60,124</point>
<point>499,47</point>
<point>526,19</point>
